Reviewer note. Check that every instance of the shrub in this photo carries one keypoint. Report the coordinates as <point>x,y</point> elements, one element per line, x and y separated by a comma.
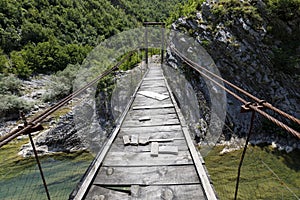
<point>10,105</point>
<point>61,83</point>
<point>10,84</point>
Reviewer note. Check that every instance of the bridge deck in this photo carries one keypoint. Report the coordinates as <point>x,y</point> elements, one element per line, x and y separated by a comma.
<point>152,155</point>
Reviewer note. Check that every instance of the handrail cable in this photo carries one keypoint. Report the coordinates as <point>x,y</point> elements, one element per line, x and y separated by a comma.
<point>251,106</point>
<point>262,102</point>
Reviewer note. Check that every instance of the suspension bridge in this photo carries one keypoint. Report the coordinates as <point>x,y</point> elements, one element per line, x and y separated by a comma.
<point>150,154</point>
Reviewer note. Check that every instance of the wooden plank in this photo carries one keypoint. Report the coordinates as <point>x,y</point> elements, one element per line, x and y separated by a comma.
<point>132,116</point>
<point>207,185</point>
<point>162,90</point>
<point>154,149</point>
<point>155,130</point>
<point>144,118</point>
<point>154,78</point>
<point>151,112</point>
<point>153,107</point>
<point>191,191</point>
<point>169,192</point>
<point>97,192</point>
<point>126,140</point>
<point>158,175</point>
<point>134,140</point>
<point>119,146</point>
<point>144,101</point>
<point>145,159</point>
<point>157,122</point>
<point>153,95</point>
<point>154,83</point>
<point>168,150</point>
<point>167,119</point>
<point>143,140</point>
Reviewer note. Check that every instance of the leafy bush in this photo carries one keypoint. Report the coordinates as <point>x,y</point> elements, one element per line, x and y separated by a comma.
<point>61,83</point>
<point>10,105</point>
<point>9,85</point>
<point>186,8</point>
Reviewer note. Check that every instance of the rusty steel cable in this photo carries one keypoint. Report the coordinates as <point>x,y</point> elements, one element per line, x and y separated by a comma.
<point>260,101</point>
<point>253,107</point>
<point>36,120</point>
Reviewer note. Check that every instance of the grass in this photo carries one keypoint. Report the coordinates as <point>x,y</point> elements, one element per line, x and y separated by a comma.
<point>20,178</point>
<point>266,173</point>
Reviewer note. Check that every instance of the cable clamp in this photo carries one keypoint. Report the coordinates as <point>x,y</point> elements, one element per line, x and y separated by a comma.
<point>246,108</point>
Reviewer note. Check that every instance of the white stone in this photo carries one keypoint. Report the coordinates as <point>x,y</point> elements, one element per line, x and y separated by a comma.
<point>289,149</point>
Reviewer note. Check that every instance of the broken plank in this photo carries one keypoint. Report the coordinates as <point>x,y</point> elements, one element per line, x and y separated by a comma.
<point>153,107</point>
<point>143,140</point>
<point>157,175</point>
<point>134,140</point>
<point>97,192</point>
<point>154,149</point>
<point>144,118</point>
<point>153,95</point>
<point>119,146</point>
<point>151,123</point>
<point>126,140</point>
<point>145,159</point>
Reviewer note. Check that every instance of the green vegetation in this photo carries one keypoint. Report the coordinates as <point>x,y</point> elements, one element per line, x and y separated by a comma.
<point>185,9</point>
<point>287,55</point>
<point>46,36</point>
<point>258,179</point>
<point>236,8</point>
<point>145,10</point>
<point>282,18</point>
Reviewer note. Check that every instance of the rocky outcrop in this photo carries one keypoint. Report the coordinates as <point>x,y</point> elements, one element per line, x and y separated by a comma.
<point>88,125</point>
<point>243,49</point>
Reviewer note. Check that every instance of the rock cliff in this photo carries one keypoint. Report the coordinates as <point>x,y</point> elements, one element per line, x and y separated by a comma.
<point>244,41</point>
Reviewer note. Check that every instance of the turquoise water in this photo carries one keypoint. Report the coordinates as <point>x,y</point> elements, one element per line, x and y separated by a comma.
<point>62,176</point>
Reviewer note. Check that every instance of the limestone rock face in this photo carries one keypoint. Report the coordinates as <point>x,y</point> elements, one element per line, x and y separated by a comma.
<point>243,49</point>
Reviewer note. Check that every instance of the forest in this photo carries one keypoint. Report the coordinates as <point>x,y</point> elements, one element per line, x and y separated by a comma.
<point>48,36</point>
<point>44,36</point>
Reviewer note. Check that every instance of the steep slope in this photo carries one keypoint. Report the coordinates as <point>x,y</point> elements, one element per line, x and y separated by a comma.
<point>255,45</point>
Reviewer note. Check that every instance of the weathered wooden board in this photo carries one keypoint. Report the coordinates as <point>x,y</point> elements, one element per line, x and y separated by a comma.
<point>133,116</point>
<point>119,147</point>
<point>162,90</point>
<point>161,175</point>
<point>168,119</point>
<point>167,192</point>
<point>154,149</point>
<point>154,83</point>
<point>154,122</point>
<point>153,107</point>
<point>97,192</point>
<point>153,95</point>
<point>154,78</point>
<point>150,102</point>
<point>151,112</point>
<point>145,159</point>
<point>174,130</point>
<point>188,192</point>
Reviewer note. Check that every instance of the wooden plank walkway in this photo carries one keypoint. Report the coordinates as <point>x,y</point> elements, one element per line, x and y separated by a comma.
<point>150,154</point>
